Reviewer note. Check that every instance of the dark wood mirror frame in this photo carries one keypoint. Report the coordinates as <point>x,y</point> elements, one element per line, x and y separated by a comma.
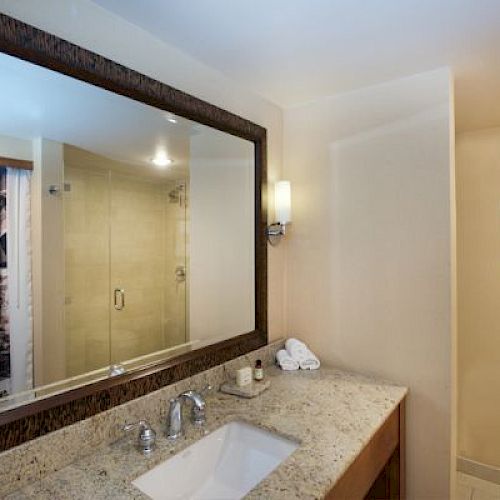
<point>42,416</point>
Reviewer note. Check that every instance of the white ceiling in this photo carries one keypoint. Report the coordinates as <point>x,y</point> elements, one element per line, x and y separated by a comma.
<point>37,102</point>
<point>292,51</point>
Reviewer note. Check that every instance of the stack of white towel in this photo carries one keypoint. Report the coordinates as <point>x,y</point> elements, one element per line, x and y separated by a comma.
<point>296,355</point>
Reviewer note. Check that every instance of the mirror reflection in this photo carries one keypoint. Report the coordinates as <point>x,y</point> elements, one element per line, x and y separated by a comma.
<point>127,233</point>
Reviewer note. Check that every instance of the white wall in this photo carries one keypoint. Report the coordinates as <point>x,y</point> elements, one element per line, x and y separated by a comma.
<point>47,222</point>
<point>18,149</point>
<point>369,253</point>
<point>221,250</point>
<point>88,25</point>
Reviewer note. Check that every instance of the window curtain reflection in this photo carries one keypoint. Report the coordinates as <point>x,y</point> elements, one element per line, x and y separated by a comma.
<point>4,317</point>
<point>16,322</point>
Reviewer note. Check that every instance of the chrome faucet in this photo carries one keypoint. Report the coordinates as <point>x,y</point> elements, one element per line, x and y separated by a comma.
<point>174,428</point>
<point>147,436</point>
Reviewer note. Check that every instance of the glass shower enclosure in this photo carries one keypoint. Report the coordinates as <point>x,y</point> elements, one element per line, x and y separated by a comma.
<point>125,264</point>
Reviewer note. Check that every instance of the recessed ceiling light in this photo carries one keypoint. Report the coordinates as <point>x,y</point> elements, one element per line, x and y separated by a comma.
<point>162,160</point>
<point>171,118</point>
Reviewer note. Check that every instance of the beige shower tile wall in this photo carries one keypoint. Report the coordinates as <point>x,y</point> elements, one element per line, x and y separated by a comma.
<point>137,266</point>
<point>121,232</point>
<point>60,448</point>
<point>175,255</point>
<point>86,209</point>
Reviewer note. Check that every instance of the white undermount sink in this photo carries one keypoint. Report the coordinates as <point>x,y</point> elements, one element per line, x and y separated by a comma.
<point>225,464</point>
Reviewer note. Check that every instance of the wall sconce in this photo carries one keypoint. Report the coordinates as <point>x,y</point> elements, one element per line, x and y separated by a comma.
<point>282,212</point>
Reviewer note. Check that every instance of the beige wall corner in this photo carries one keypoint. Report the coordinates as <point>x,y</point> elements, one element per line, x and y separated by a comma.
<point>369,263</point>
<point>453,292</point>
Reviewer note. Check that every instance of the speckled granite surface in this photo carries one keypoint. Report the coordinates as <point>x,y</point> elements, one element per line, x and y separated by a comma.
<point>332,414</point>
<point>35,460</point>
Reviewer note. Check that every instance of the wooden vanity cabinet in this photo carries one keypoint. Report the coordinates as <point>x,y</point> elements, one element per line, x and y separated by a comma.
<point>378,473</point>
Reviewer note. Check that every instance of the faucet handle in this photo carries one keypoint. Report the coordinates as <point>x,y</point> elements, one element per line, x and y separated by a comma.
<point>141,424</point>
<point>147,436</point>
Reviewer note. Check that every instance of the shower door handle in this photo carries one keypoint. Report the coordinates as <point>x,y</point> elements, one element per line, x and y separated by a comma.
<point>180,274</point>
<point>119,298</point>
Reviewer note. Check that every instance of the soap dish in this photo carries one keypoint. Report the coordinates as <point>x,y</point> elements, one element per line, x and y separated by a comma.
<point>246,391</point>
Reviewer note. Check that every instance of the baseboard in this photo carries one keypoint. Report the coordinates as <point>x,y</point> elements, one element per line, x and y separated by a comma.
<point>477,469</point>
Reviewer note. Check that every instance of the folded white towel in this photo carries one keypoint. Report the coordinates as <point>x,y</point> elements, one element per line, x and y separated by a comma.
<point>285,361</point>
<point>297,349</point>
<point>311,363</point>
<point>300,352</point>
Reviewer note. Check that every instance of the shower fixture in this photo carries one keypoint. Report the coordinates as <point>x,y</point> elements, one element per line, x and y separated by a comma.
<point>176,194</point>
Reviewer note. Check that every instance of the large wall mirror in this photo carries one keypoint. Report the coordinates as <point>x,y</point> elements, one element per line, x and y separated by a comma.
<point>128,233</point>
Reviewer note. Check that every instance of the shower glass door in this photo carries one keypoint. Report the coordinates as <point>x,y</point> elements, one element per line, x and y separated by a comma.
<point>148,267</point>
<point>86,270</point>
<point>126,267</point>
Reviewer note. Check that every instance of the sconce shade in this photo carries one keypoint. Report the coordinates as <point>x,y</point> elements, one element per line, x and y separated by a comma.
<point>282,202</point>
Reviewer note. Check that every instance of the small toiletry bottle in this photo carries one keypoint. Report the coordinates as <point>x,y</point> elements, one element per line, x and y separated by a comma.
<point>258,373</point>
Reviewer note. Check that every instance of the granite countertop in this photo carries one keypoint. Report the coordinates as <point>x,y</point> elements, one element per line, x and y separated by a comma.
<point>332,414</point>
